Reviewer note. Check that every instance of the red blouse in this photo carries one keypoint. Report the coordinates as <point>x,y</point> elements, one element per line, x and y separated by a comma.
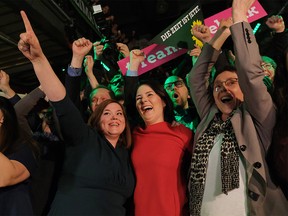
<point>157,157</point>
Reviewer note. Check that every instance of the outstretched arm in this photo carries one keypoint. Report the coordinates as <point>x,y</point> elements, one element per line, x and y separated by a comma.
<point>257,100</point>
<point>30,47</point>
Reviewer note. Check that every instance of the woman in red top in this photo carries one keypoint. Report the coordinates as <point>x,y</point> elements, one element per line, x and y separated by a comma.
<point>157,156</point>
<point>159,151</point>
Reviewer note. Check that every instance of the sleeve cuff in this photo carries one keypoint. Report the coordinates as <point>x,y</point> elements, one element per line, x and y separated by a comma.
<point>132,73</point>
<point>73,72</point>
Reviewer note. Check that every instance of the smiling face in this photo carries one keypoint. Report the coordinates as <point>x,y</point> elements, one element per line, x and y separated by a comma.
<point>227,93</point>
<point>177,91</point>
<point>268,66</point>
<point>268,70</point>
<point>112,122</point>
<point>149,105</point>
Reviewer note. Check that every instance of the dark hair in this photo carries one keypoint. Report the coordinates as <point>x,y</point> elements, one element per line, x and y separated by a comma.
<point>125,138</point>
<point>160,91</point>
<point>11,136</point>
<point>229,68</point>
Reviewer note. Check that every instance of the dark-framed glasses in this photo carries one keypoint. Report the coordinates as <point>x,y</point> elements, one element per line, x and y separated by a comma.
<point>170,86</point>
<point>219,86</point>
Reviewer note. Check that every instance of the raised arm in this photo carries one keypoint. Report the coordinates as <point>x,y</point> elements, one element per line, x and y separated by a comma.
<point>257,100</point>
<point>131,80</point>
<point>88,64</point>
<point>25,105</point>
<point>199,75</point>
<point>30,47</point>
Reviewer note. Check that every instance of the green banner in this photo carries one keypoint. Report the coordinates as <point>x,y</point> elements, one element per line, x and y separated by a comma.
<point>179,33</point>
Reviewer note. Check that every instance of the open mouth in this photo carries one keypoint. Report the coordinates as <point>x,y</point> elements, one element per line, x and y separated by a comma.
<point>114,124</point>
<point>147,108</point>
<point>226,99</point>
<point>175,95</point>
<point>267,74</point>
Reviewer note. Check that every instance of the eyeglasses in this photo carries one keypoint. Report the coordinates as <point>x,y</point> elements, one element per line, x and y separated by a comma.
<point>170,86</point>
<point>219,86</point>
<point>267,66</point>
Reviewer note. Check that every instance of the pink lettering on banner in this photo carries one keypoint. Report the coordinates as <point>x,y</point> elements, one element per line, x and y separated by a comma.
<point>254,13</point>
<point>156,55</point>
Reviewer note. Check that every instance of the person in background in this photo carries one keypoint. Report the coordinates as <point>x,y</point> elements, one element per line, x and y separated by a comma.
<point>276,45</point>
<point>50,142</point>
<point>185,112</point>
<point>97,178</point>
<point>99,93</point>
<point>229,174</point>
<point>116,84</point>
<point>18,163</point>
<point>278,152</point>
<point>269,66</point>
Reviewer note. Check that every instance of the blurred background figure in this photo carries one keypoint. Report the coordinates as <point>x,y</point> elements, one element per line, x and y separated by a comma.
<point>184,110</point>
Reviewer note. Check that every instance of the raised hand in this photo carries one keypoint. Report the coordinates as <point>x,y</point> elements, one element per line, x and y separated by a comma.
<point>98,50</point>
<point>28,43</point>
<point>123,48</point>
<point>240,9</point>
<point>276,23</point>
<point>30,47</point>
<point>136,58</point>
<point>80,48</point>
<point>88,64</point>
<point>4,80</point>
<point>196,51</point>
<point>202,32</point>
<point>5,86</point>
<point>226,22</point>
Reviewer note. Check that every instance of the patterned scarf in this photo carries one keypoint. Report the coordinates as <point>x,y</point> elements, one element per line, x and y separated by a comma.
<point>199,162</point>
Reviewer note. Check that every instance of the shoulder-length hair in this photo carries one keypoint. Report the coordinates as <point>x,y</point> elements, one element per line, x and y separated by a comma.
<point>125,138</point>
<point>160,91</point>
<point>11,135</point>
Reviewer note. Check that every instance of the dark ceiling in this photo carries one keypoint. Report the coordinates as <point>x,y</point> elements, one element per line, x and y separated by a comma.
<point>58,22</point>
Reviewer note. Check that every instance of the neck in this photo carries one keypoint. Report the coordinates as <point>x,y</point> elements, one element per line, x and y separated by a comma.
<point>112,140</point>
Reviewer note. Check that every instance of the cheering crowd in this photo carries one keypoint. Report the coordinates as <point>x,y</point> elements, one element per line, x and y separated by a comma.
<point>211,142</point>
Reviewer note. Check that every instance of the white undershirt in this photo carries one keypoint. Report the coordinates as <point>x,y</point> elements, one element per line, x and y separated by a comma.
<point>216,203</point>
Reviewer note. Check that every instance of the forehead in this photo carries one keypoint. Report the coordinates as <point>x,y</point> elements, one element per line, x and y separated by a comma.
<point>101,92</point>
<point>225,75</point>
<point>172,79</point>
<point>143,89</point>
<point>113,106</point>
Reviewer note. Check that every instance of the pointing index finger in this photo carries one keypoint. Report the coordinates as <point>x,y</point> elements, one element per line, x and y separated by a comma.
<point>26,21</point>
